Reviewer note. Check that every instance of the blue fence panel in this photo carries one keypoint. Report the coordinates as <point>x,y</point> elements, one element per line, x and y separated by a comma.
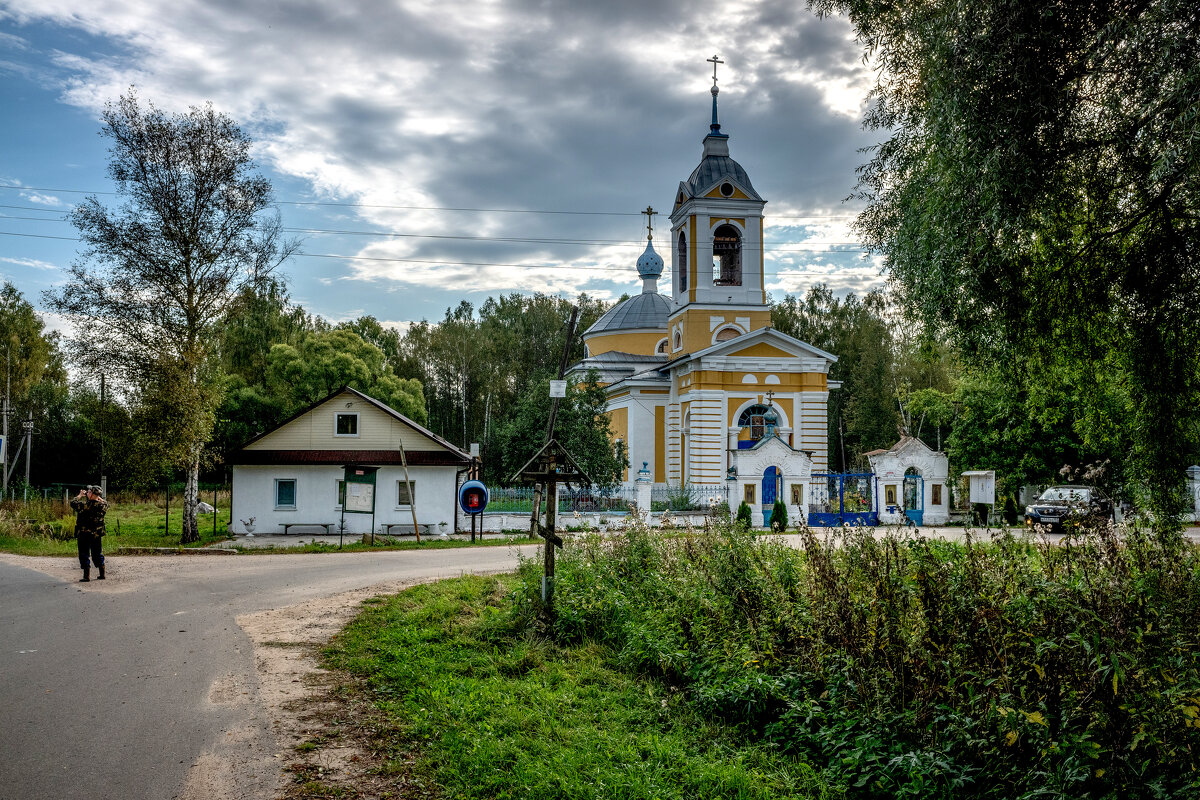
<point>837,498</point>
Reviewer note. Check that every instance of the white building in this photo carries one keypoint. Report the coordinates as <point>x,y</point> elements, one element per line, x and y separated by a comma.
<point>911,483</point>
<point>293,475</point>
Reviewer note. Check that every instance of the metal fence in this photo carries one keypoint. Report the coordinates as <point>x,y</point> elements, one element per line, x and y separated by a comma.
<point>613,499</point>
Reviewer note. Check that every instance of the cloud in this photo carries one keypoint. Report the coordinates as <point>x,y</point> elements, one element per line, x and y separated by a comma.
<point>28,262</point>
<point>589,107</point>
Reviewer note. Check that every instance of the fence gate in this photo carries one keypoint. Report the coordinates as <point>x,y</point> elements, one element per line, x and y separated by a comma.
<point>837,498</point>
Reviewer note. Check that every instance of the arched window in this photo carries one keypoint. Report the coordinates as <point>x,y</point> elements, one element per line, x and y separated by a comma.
<point>725,334</point>
<point>727,256</point>
<point>678,342</point>
<point>662,346</point>
<point>752,418</point>
<point>681,265</point>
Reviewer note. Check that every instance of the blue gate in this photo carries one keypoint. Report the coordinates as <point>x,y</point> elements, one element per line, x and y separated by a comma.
<point>770,490</point>
<point>914,496</point>
<point>837,498</point>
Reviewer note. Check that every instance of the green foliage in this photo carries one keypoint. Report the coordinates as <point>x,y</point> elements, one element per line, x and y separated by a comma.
<point>1037,201</point>
<point>325,361</point>
<point>581,427</point>
<point>906,667</point>
<point>488,711</point>
<point>745,517</point>
<point>779,516</point>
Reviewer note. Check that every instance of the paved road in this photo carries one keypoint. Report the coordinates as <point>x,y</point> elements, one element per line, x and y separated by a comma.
<point>105,687</point>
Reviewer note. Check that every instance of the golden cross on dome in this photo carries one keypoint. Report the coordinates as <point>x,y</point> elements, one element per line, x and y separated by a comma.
<point>649,212</point>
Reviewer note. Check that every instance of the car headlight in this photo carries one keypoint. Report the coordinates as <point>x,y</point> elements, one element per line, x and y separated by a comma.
<point>1029,510</point>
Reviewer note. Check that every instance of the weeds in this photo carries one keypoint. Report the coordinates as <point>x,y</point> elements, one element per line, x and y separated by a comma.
<point>907,667</point>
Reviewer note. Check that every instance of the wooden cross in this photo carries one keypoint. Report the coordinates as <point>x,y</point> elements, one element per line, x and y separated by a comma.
<point>714,61</point>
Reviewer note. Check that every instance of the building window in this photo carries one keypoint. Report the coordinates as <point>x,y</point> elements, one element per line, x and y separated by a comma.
<point>681,265</point>
<point>405,491</point>
<point>346,425</point>
<point>662,347</point>
<point>889,494</point>
<point>725,334</point>
<point>285,494</point>
<point>341,493</point>
<point>936,492</point>
<point>727,189</point>
<point>753,418</point>
<point>727,256</point>
<point>797,494</point>
<point>748,494</point>
<point>678,340</point>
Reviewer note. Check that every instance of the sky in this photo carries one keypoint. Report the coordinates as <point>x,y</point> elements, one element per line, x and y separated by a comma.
<point>428,152</point>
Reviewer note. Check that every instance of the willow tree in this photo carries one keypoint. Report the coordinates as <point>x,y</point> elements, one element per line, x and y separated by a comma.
<point>1037,198</point>
<point>159,271</point>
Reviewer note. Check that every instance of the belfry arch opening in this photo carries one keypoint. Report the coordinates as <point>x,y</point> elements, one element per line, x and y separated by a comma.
<point>681,265</point>
<point>727,256</point>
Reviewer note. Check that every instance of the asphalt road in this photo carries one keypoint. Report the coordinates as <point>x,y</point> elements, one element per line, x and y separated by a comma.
<point>105,687</point>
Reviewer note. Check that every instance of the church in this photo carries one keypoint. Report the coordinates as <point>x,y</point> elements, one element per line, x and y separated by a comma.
<point>700,388</point>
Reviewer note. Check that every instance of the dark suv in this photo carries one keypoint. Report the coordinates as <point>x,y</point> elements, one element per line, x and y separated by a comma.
<point>1068,504</point>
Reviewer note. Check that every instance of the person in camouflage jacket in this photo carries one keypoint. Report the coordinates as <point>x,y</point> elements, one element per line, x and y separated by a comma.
<point>89,507</point>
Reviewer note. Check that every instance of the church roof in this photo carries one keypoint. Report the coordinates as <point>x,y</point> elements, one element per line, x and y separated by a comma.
<point>648,310</point>
<point>714,169</point>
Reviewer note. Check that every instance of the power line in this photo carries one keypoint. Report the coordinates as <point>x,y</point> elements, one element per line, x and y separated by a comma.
<point>330,204</point>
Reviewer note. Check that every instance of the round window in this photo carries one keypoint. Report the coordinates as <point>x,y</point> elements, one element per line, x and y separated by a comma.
<point>727,189</point>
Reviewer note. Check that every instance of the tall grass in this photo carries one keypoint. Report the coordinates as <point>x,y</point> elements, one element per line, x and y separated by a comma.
<point>907,667</point>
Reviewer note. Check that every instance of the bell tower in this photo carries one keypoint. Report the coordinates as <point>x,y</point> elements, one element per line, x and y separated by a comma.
<point>716,249</point>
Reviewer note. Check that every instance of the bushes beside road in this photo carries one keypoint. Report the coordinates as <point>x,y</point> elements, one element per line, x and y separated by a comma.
<point>891,667</point>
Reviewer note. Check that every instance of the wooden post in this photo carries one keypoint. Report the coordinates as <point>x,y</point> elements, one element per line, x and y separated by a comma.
<point>412,501</point>
<point>551,513</point>
<point>167,507</point>
<point>215,515</point>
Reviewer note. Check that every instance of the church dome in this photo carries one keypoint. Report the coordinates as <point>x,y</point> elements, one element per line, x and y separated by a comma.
<point>715,169</point>
<point>645,311</point>
<point>650,263</point>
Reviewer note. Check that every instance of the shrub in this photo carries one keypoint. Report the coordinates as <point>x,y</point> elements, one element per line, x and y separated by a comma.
<point>779,517</point>
<point>904,666</point>
<point>745,517</point>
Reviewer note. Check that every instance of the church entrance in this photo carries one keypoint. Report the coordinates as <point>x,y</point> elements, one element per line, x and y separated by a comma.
<point>842,498</point>
<point>914,496</point>
<point>770,490</point>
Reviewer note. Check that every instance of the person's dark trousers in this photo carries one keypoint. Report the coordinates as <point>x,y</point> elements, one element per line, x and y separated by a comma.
<point>90,545</point>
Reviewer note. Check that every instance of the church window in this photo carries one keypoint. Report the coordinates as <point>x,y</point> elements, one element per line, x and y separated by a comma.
<point>662,346</point>
<point>725,334</point>
<point>727,256</point>
<point>752,418</point>
<point>727,189</point>
<point>681,265</point>
<point>678,340</point>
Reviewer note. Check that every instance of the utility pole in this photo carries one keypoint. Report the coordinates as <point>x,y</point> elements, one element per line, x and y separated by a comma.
<point>537,489</point>
<point>103,477</point>
<point>7,393</point>
<point>28,426</point>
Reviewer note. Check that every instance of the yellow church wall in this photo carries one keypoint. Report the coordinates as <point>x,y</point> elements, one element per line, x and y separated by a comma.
<point>698,329</point>
<point>637,343</point>
<point>762,350</point>
<point>732,381</point>
<point>738,194</point>
<point>618,423</point>
<point>692,258</point>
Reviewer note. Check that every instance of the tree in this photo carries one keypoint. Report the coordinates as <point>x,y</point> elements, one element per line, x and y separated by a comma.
<point>160,272</point>
<point>581,427</point>
<point>32,365</point>
<point>328,360</point>
<point>1038,197</point>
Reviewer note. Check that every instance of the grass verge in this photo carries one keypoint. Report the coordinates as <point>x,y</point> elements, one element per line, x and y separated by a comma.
<point>483,708</point>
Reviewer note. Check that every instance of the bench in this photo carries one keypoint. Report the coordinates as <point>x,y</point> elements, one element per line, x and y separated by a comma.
<point>405,528</point>
<point>328,526</point>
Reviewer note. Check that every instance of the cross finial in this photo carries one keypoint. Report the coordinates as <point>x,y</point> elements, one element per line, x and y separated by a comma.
<point>649,212</point>
<point>770,397</point>
<point>714,61</point>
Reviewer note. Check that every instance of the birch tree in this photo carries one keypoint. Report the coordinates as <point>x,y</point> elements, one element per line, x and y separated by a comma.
<point>159,271</point>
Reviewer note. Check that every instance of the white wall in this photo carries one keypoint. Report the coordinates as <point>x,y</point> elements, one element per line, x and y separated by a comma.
<point>316,497</point>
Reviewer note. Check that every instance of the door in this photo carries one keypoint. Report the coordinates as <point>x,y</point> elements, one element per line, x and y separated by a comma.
<point>914,496</point>
<point>770,490</point>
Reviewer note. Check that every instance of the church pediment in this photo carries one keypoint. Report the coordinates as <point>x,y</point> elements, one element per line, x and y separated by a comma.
<point>772,452</point>
<point>765,343</point>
